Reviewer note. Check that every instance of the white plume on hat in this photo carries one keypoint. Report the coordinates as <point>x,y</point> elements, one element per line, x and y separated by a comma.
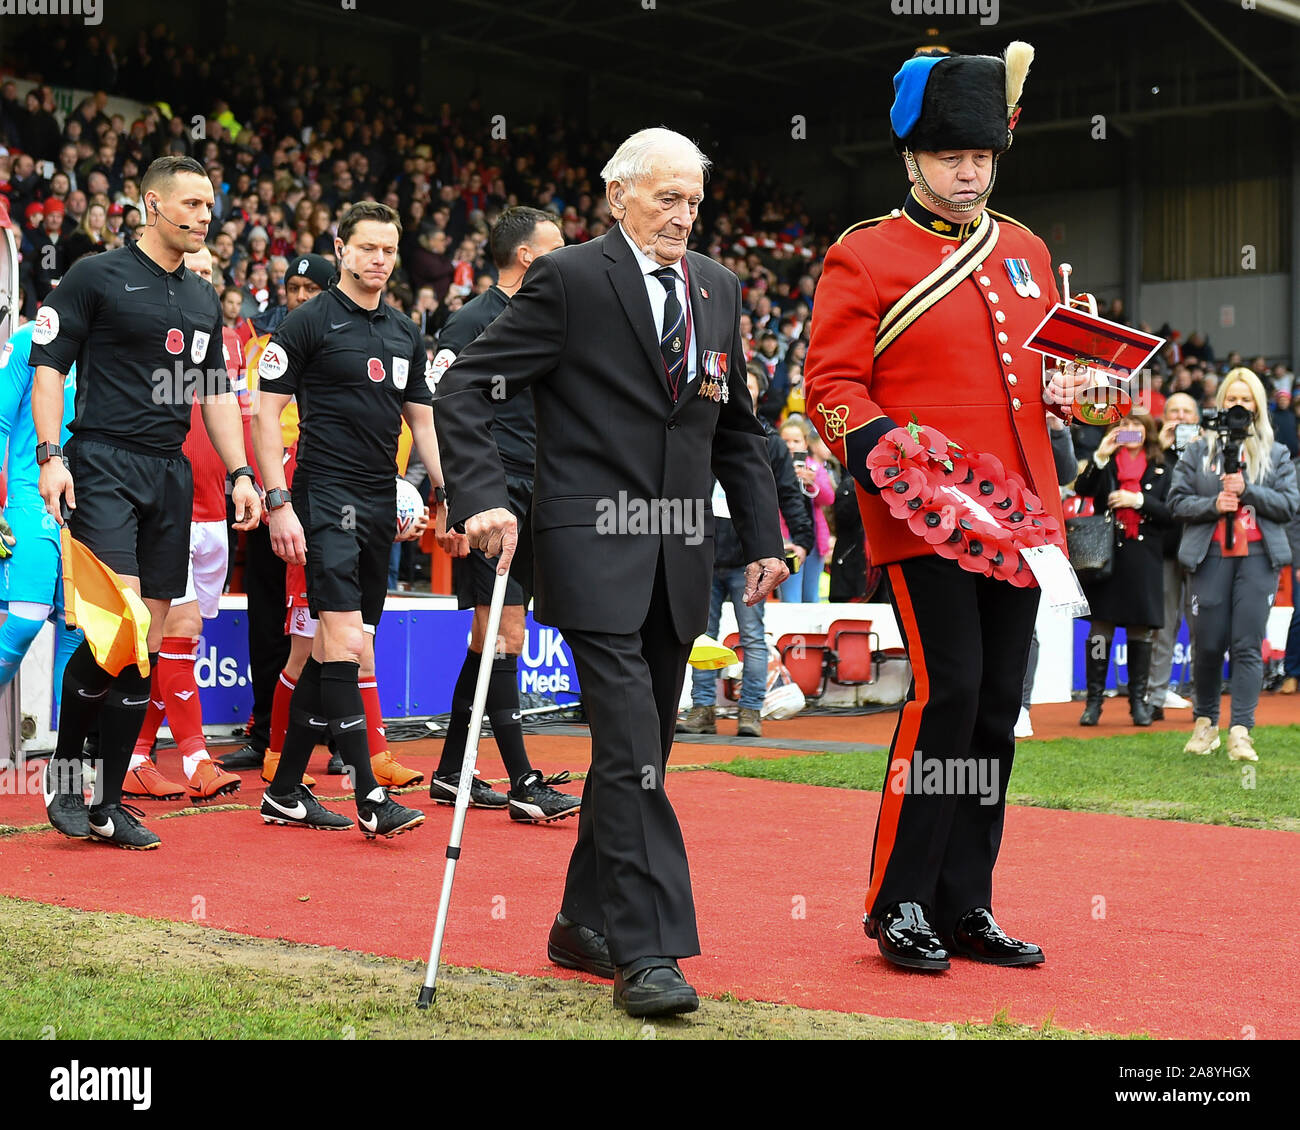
<point>1017,57</point>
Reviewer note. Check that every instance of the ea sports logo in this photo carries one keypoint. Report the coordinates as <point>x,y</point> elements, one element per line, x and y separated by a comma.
<point>375,370</point>
<point>175,341</point>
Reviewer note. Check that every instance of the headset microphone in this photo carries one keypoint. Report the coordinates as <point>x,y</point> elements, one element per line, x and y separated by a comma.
<point>156,212</point>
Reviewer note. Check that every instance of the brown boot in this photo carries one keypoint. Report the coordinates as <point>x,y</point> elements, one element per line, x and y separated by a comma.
<point>751,723</point>
<point>698,720</point>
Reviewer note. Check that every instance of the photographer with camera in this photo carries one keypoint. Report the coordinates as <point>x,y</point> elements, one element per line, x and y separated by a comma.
<point>1179,428</point>
<point>1127,477</point>
<point>1236,491</point>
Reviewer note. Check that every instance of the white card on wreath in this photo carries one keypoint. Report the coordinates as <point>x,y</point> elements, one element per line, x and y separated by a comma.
<point>1058,580</point>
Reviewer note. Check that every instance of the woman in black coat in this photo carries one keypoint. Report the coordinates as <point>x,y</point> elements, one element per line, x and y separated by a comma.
<point>1126,477</point>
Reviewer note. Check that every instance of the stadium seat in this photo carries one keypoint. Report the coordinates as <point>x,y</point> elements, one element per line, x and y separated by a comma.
<point>731,687</point>
<point>853,646</point>
<point>807,658</point>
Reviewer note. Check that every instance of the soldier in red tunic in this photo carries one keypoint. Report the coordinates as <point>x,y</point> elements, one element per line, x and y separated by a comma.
<point>922,314</point>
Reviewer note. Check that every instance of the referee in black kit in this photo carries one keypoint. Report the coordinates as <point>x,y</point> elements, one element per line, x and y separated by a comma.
<point>519,236</point>
<point>357,368</point>
<point>145,335</point>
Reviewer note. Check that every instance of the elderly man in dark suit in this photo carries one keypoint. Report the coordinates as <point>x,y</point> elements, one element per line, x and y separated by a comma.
<point>632,348</point>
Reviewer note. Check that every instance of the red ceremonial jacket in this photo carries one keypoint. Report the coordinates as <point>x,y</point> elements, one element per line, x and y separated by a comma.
<point>960,366</point>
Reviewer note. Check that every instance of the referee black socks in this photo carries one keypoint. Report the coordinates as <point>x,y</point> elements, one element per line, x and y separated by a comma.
<point>462,704</point>
<point>502,710</point>
<point>307,728</point>
<point>347,720</point>
<point>85,683</point>
<point>120,718</point>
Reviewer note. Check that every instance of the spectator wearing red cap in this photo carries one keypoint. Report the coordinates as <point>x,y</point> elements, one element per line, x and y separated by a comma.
<point>48,266</point>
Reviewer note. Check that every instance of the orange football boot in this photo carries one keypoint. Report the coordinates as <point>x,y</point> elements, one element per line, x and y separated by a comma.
<point>271,762</point>
<point>392,775</point>
<point>211,781</point>
<point>146,783</point>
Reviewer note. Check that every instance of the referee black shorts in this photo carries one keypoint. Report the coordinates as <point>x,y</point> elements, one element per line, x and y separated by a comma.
<point>133,513</point>
<point>475,576</point>
<point>349,531</point>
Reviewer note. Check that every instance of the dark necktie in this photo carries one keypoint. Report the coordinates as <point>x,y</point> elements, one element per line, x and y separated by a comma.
<point>672,342</point>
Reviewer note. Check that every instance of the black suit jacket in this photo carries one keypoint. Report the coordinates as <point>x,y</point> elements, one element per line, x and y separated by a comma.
<point>610,439</point>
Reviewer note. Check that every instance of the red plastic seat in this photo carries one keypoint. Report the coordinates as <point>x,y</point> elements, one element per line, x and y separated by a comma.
<point>807,658</point>
<point>731,687</point>
<point>853,646</point>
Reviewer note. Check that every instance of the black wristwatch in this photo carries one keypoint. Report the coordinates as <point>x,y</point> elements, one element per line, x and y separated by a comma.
<point>47,451</point>
<point>275,498</point>
<point>440,494</point>
<point>233,475</point>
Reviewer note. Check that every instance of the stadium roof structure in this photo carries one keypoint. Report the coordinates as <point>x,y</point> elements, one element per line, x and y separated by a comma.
<point>1131,59</point>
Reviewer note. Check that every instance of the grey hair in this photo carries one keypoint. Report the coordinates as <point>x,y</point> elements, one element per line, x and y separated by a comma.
<point>634,159</point>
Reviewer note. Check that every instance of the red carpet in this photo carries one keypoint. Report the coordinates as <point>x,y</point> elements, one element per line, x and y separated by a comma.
<point>1189,942</point>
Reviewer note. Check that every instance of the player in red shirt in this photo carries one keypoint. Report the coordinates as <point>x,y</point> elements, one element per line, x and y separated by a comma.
<point>174,692</point>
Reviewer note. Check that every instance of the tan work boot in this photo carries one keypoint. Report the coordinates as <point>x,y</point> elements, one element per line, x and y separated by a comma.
<point>1204,739</point>
<point>751,723</point>
<point>1240,747</point>
<point>698,720</point>
<point>1289,685</point>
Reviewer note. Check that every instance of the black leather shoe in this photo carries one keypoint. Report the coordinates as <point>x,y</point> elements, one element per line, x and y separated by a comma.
<point>246,757</point>
<point>978,937</point>
<point>653,986</point>
<point>905,937</point>
<point>1157,714</point>
<point>575,946</point>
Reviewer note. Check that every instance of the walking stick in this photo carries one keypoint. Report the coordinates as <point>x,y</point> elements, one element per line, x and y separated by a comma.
<point>430,988</point>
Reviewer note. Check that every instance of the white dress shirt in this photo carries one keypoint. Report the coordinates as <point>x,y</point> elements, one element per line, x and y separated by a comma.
<point>659,298</point>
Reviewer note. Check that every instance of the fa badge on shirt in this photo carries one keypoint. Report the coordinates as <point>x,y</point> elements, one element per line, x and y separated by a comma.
<point>401,366</point>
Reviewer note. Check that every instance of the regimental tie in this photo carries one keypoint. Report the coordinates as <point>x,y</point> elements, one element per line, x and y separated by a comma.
<point>672,340</point>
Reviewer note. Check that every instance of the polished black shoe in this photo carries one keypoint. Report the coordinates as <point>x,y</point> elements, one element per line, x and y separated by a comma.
<point>1091,713</point>
<point>246,757</point>
<point>905,937</point>
<point>978,937</point>
<point>575,946</point>
<point>653,986</point>
<point>1157,713</point>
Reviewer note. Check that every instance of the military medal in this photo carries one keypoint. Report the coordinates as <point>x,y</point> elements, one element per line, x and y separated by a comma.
<point>1035,291</point>
<point>1017,269</point>
<point>713,383</point>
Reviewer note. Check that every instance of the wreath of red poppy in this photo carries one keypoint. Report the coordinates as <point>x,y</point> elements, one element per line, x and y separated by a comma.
<point>963,503</point>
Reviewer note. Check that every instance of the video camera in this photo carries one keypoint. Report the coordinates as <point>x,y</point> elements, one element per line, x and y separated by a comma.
<point>1233,426</point>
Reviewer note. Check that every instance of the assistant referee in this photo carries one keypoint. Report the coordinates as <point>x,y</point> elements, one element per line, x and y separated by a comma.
<point>145,335</point>
<point>357,367</point>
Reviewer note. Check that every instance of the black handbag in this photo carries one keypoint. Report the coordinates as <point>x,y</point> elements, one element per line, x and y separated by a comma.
<point>1091,543</point>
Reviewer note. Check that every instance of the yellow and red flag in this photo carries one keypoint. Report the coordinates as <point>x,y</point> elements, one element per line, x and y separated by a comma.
<point>114,618</point>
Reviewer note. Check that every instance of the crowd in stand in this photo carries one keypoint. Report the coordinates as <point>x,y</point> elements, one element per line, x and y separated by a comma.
<point>289,147</point>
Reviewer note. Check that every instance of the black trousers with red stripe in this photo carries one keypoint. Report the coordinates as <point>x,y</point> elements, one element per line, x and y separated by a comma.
<point>941,810</point>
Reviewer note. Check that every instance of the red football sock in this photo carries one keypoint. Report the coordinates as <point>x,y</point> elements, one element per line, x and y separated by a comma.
<point>181,693</point>
<point>152,719</point>
<point>374,717</point>
<point>280,711</point>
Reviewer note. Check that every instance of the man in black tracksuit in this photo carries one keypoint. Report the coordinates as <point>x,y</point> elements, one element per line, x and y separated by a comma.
<point>728,582</point>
